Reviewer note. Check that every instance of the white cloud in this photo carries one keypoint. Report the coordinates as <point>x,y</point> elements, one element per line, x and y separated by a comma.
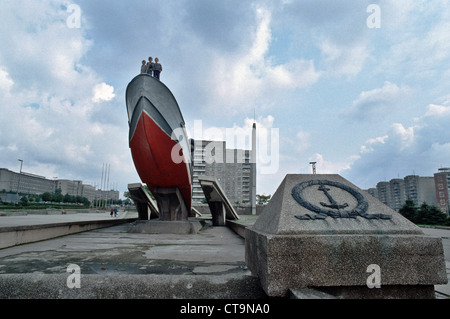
<point>77,153</point>
<point>344,59</point>
<point>241,81</point>
<point>236,136</point>
<point>51,98</point>
<point>6,82</point>
<point>405,135</point>
<point>437,110</point>
<point>420,39</point>
<point>369,146</point>
<point>324,166</point>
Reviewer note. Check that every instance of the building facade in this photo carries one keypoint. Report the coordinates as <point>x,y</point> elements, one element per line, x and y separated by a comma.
<point>420,189</point>
<point>231,167</point>
<point>395,192</point>
<point>26,183</point>
<point>442,188</point>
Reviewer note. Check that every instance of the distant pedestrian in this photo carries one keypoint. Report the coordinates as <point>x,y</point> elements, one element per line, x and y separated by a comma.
<point>112,210</point>
<point>115,211</point>
<point>157,69</point>
<point>150,65</point>
<point>144,67</point>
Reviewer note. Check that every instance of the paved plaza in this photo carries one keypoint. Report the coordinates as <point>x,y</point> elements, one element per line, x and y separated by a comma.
<point>117,264</point>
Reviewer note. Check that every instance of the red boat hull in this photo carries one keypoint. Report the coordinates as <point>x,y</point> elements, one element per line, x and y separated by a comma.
<point>152,149</point>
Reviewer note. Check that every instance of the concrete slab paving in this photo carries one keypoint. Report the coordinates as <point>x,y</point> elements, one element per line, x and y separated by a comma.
<point>114,263</point>
<point>118,264</point>
<point>26,227</point>
<point>45,219</point>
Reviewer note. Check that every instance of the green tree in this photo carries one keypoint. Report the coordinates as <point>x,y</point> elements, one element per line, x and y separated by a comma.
<point>24,201</point>
<point>46,197</point>
<point>409,210</point>
<point>85,201</point>
<point>430,215</point>
<point>262,199</point>
<point>67,198</point>
<point>57,197</point>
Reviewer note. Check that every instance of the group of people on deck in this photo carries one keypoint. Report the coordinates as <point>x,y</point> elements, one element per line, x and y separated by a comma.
<point>152,68</point>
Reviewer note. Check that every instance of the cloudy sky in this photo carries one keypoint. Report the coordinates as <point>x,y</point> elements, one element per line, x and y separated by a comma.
<point>360,87</point>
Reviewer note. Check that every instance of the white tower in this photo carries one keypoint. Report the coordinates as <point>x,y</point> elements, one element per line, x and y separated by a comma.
<point>253,170</point>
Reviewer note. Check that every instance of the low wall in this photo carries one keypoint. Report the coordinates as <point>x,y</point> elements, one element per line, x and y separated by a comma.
<point>237,228</point>
<point>240,210</point>
<point>12,236</point>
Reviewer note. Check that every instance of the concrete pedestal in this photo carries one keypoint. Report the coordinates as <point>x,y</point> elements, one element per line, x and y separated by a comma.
<point>322,232</point>
<point>219,204</point>
<point>170,204</point>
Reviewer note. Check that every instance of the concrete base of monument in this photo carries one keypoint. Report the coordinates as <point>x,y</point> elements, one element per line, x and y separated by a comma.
<point>156,226</point>
<point>322,232</point>
<point>338,265</point>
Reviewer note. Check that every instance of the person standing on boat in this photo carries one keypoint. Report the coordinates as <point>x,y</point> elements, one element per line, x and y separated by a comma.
<point>144,67</point>
<point>157,68</point>
<point>150,65</point>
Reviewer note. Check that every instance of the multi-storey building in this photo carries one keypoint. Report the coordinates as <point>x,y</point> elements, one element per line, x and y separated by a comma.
<point>420,189</point>
<point>73,188</point>
<point>26,183</point>
<point>384,193</point>
<point>231,167</point>
<point>373,191</point>
<point>395,192</point>
<point>442,186</point>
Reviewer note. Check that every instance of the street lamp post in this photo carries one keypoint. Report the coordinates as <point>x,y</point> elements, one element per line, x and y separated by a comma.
<point>313,167</point>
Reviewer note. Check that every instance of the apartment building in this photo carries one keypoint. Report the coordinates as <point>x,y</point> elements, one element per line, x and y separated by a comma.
<point>27,183</point>
<point>395,192</point>
<point>231,167</point>
<point>442,188</point>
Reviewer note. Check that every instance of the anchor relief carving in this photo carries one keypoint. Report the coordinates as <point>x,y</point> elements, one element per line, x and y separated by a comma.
<point>333,209</point>
<point>334,204</point>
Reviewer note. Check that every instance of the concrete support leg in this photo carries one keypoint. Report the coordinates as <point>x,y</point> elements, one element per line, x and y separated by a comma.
<point>143,211</point>
<point>218,213</point>
<point>170,204</point>
<point>145,205</point>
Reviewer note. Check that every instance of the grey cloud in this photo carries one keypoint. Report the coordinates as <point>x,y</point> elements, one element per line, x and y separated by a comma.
<point>222,24</point>
<point>373,103</point>
<point>421,148</point>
